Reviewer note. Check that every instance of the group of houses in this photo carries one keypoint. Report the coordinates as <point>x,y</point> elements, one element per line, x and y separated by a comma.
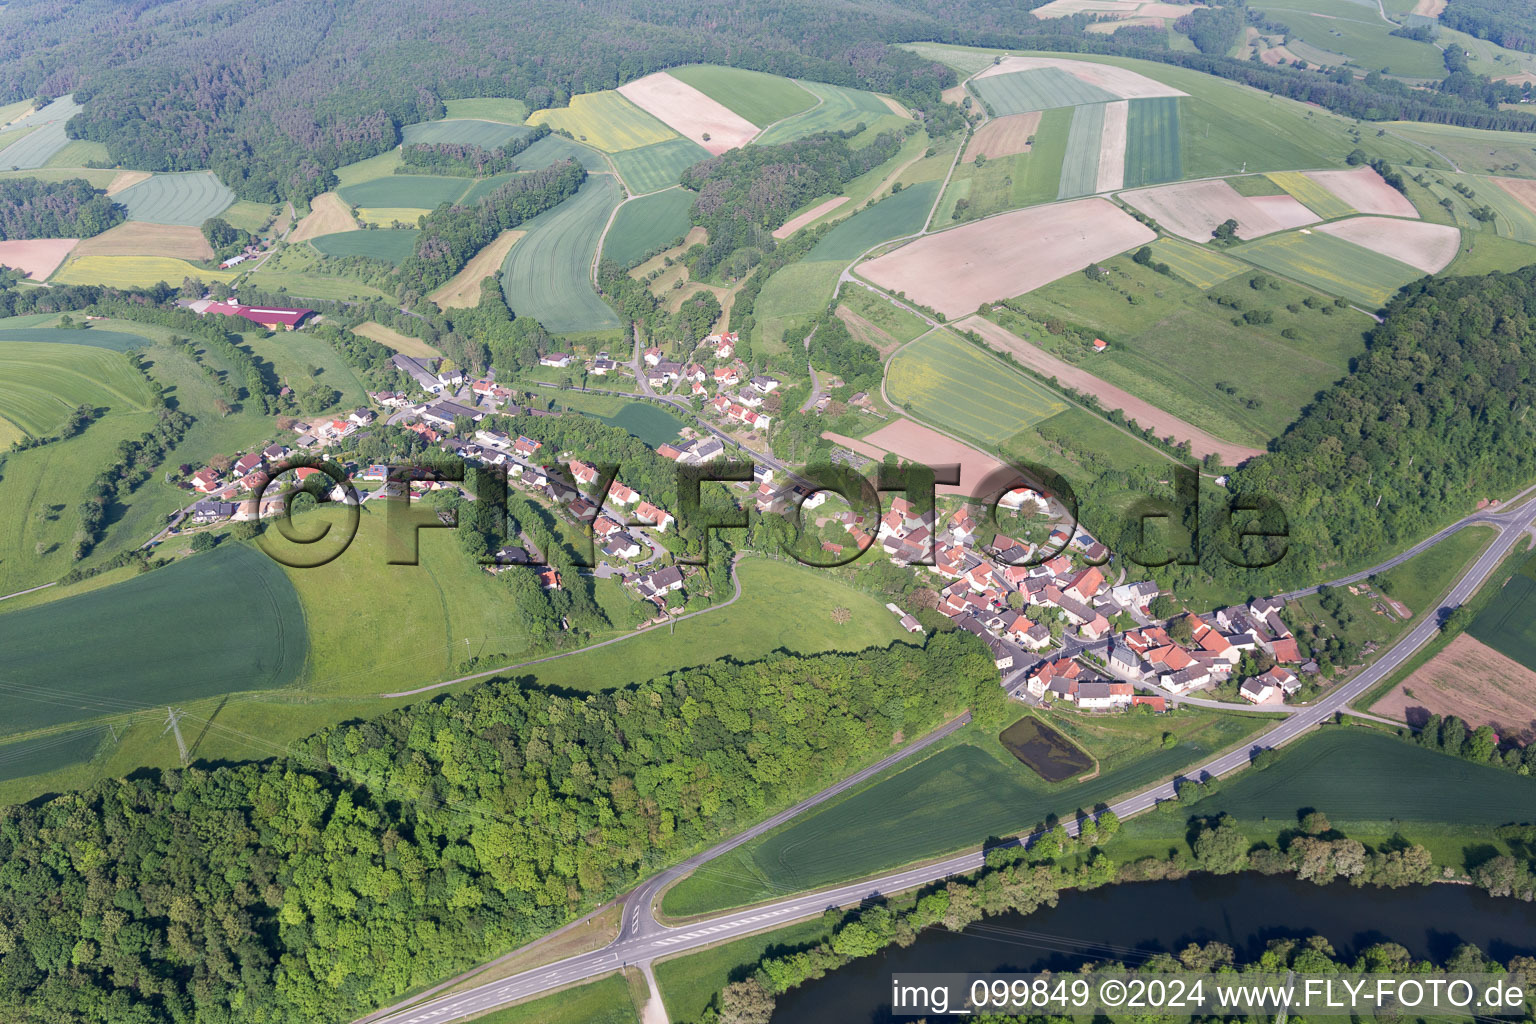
<point>737,395</point>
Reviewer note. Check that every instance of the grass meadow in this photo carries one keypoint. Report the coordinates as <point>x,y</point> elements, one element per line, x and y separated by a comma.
<point>134,271</point>
<point>488,108</point>
<point>604,1001</point>
<point>953,384</point>
<point>688,983</point>
<point>644,224</point>
<point>186,199</point>
<point>758,97</point>
<point>840,109</point>
<point>547,274</point>
<point>791,296</point>
<point>41,384</point>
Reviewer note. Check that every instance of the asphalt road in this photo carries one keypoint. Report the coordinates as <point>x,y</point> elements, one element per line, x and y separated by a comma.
<point>642,938</point>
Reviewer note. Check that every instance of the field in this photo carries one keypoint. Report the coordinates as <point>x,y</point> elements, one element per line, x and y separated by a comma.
<point>1508,624</point>
<point>1152,151</point>
<point>35,257</point>
<point>758,97</point>
<point>553,149</point>
<point>1331,265</point>
<point>1482,253</point>
<point>840,110</point>
<point>605,1001</point>
<point>134,271</point>
<point>41,384</point>
<point>1080,169</point>
<point>689,112</point>
<point>795,293</point>
<point>893,324</point>
<point>49,753</point>
<point>547,275</point>
<point>404,191</point>
<point>1510,199</point>
<point>1364,190</point>
<point>391,338</point>
<point>643,225</point>
<point>1309,193</point>
<point>488,108</point>
<point>381,166</point>
<point>303,273</point>
<point>1041,89</point>
<point>1472,681</point>
<point>78,153</point>
<point>1003,136</point>
<point>1113,77</point>
<point>1193,209</point>
<point>800,220</point>
<point>1112,146</point>
<point>1359,34</point>
<point>187,199</point>
<point>957,270</point>
<point>254,217</point>
<point>149,641</point>
<point>1390,781</point>
<point>142,238</point>
<point>45,135</point>
<point>1472,149</point>
<point>10,138</point>
<point>463,131</point>
<point>688,983</point>
<point>392,245</point>
<point>16,330</point>
<point>1428,247</point>
<point>954,798</point>
<point>1202,267</point>
<point>655,167</point>
<point>607,120</point>
<point>892,217</point>
<point>463,289</point>
<point>328,215</point>
<point>953,384</point>
<point>914,442</point>
<point>651,423</point>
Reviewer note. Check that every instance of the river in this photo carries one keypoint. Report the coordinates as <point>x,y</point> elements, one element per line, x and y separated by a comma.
<point>1127,922</point>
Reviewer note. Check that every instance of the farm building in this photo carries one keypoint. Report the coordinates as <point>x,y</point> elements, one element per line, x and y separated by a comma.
<point>270,317</point>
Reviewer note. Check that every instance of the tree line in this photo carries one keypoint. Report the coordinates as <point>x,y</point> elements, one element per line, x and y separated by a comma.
<point>30,208</point>
<point>465,160</point>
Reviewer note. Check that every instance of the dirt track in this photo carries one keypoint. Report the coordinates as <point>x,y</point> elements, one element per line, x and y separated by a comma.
<point>1143,412</point>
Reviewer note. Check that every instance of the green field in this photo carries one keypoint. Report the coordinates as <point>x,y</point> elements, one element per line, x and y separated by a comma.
<point>688,983</point>
<point>41,384</point>
<point>1508,624</point>
<point>956,385</point>
<point>1482,253</point>
<point>1512,218</point>
<point>1040,89</point>
<point>606,120</point>
<point>463,131</point>
<point>957,797</point>
<point>758,97</point>
<point>134,271</point>
<point>898,324</point>
<point>392,245</point>
<point>1388,781</point>
<point>1331,265</point>
<point>186,199</point>
<point>658,166</point>
<point>605,1001</point>
<point>793,294</point>
<point>301,271</point>
<point>1011,182</point>
<point>223,622</point>
<point>117,341</point>
<point>652,424</point>
<point>1200,265</point>
<point>547,274</point>
<point>405,191</point>
<point>49,753</point>
<point>1311,195</point>
<point>892,217</point>
<point>12,137</point>
<point>380,166</point>
<point>44,135</point>
<point>484,187</point>
<point>840,110</point>
<point>1152,142</point>
<point>488,108</point>
<point>1359,34</point>
<point>249,216</point>
<point>1080,169</point>
<point>78,153</point>
<point>552,149</point>
<point>646,224</point>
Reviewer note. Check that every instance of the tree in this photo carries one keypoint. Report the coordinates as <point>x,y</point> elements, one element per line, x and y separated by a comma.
<point>1226,231</point>
<point>1164,607</point>
<point>746,1002</point>
<point>1223,849</point>
<point>841,616</point>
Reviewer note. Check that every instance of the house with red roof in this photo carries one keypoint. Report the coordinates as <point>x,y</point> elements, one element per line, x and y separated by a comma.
<point>271,317</point>
<point>657,517</point>
<point>206,480</point>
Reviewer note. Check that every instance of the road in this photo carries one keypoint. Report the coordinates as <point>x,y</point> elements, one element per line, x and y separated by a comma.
<point>642,938</point>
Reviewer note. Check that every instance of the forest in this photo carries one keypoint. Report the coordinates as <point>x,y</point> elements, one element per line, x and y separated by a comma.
<point>386,854</point>
<point>1501,21</point>
<point>30,208</point>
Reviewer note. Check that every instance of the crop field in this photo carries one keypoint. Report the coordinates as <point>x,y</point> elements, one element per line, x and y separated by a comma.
<point>392,245</point>
<point>149,641</point>
<point>646,224</point>
<point>689,112</point>
<point>1080,169</point>
<point>1311,195</point>
<point>1201,266</point>
<point>1331,265</point>
<point>187,199</point>
<point>44,136</point>
<point>1152,142</point>
<point>606,120</point>
<point>1040,89</point>
<point>951,383</point>
<point>1003,136</point>
<point>392,338</point>
<point>1366,191</point>
<point>79,153</point>
<point>488,108</point>
<point>1472,681</point>
<point>758,97</point>
<point>49,753</point>
<point>808,215</point>
<point>655,167</point>
<point>134,271</point>
<point>143,238</point>
<point>840,110</point>
<point>1389,781</point>
<point>381,166</point>
<point>1508,625</point>
<point>405,191</point>
<point>463,289</point>
<point>327,215</point>
<point>1510,199</point>
<point>1193,209</point>
<point>95,337</point>
<point>552,149</point>
<point>36,258</point>
<point>41,384</point>
<point>892,217</point>
<point>1426,247</point>
<point>463,131</point>
<point>12,137</point>
<point>796,292</point>
<point>547,274</point>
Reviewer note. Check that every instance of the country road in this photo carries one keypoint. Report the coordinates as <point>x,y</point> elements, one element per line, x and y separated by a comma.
<point>642,938</point>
